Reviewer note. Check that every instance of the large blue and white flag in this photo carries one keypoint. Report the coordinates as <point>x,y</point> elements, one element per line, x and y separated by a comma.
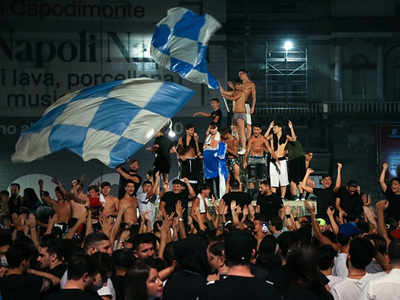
<point>180,43</point>
<point>108,122</point>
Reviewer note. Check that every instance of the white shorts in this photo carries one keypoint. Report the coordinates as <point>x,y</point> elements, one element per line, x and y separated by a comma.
<point>278,178</point>
<point>248,115</point>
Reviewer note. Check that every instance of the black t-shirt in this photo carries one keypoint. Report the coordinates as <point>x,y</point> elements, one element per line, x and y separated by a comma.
<point>58,271</point>
<point>170,199</point>
<point>241,198</point>
<point>184,285</point>
<point>214,114</point>
<point>14,203</point>
<point>325,198</point>
<point>165,146</point>
<point>269,205</point>
<point>351,204</point>
<point>26,286</point>
<point>393,211</point>
<point>72,294</point>
<point>237,287</point>
<point>123,181</point>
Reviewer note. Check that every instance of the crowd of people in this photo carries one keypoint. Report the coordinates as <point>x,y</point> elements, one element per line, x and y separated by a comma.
<point>225,228</point>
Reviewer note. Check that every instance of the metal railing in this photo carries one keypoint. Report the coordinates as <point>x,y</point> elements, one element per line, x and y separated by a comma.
<point>328,107</point>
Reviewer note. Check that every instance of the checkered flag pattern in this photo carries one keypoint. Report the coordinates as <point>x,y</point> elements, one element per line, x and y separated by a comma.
<point>108,122</point>
<point>180,43</point>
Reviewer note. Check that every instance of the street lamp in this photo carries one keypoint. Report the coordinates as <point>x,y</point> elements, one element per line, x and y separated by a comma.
<point>288,45</point>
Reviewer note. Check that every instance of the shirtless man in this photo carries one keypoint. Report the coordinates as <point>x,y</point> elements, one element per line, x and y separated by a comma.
<point>61,206</point>
<point>188,153</point>
<point>79,200</point>
<point>239,112</point>
<point>232,161</point>
<point>111,202</point>
<point>248,88</point>
<point>129,200</point>
<point>278,169</point>
<point>255,154</point>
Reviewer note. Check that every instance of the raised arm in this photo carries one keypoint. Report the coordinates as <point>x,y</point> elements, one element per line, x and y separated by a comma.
<point>292,137</point>
<point>127,176</point>
<point>382,183</point>
<point>192,193</point>
<point>304,182</point>
<point>317,231</point>
<point>338,177</point>
<point>267,133</point>
<point>203,114</point>
<point>253,96</point>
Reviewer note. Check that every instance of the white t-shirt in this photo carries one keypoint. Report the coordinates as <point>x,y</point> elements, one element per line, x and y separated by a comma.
<point>340,267</point>
<point>386,287</point>
<point>350,289</point>
<point>146,204</point>
<point>334,279</point>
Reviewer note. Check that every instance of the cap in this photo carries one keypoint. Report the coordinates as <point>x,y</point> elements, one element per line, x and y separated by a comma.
<point>321,222</point>
<point>352,183</point>
<point>395,234</point>
<point>349,229</point>
<point>239,245</point>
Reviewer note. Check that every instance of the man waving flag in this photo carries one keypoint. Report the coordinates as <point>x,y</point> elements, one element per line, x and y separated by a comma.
<point>180,43</point>
<point>108,122</point>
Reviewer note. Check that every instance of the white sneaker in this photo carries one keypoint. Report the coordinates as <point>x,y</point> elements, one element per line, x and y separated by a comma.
<point>242,151</point>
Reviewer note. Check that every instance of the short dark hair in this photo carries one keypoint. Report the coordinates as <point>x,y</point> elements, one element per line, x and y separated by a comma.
<point>16,184</point>
<point>361,253</point>
<point>394,251</point>
<point>143,238</point>
<point>190,125</point>
<point>394,179</point>
<point>128,182</point>
<point>176,181</point>
<point>147,182</point>
<point>94,238</point>
<point>243,70</point>
<point>277,222</point>
<point>265,182</point>
<point>225,131</point>
<point>257,125</point>
<point>93,187</point>
<point>213,125</point>
<point>215,99</point>
<point>352,183</point>
<point>326,256</point>
<point>53,245</point>
<point>105,183</point>
<point>103,264</point>
<point>123,258</point>
<point>78,265</point>
<point>204,187</point>
<point>5,193</point>
<point>17,253</point>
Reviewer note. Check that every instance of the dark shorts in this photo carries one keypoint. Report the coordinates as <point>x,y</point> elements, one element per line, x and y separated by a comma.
<point>191,169</point>
<point>231,162</point>
<point>162,164</point>
<point>297,169</point>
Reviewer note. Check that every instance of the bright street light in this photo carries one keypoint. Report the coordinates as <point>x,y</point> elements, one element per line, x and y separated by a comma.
<point>288,45</point>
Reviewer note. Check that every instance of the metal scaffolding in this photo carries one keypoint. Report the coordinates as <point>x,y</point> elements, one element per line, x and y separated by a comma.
<point>286,74</point>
